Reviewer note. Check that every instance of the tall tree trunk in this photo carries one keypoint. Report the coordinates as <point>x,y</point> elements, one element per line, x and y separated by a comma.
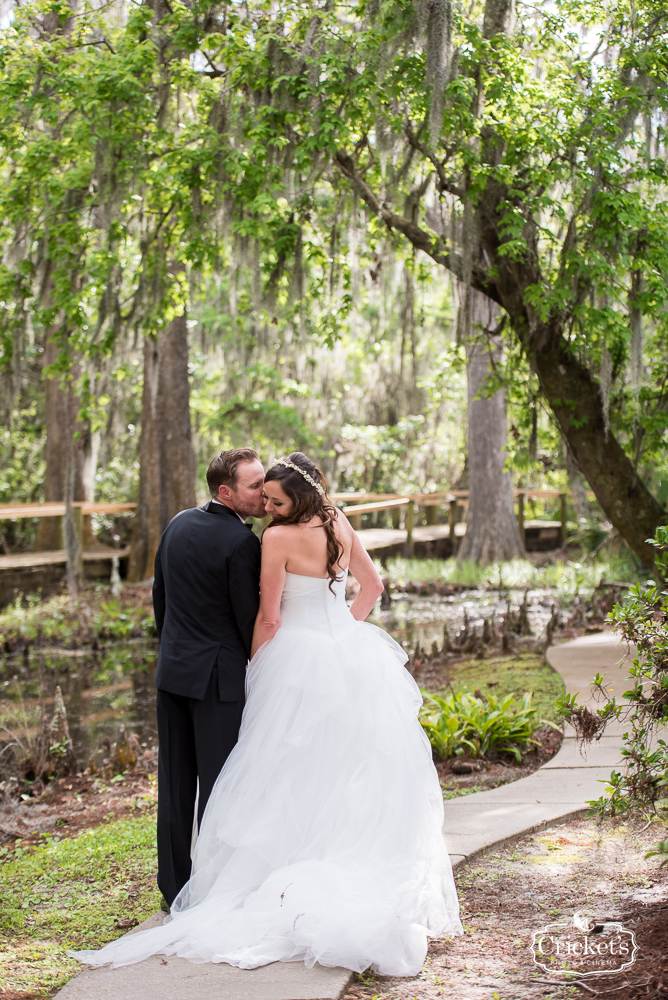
<point>73,522</point>
<point>91,451</point>
<point>60,410</point>
<point>576,403</point>
<point>492,533</point>
<point>167,460</point>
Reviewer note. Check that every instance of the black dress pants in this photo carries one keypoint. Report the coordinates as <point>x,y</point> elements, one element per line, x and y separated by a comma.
<point>195,739</point>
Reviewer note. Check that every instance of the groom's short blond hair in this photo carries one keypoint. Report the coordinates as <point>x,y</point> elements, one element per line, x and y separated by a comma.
<point>224,470</point>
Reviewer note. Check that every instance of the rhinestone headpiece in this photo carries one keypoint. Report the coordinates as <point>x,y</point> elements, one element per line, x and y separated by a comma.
<point>304,473</point>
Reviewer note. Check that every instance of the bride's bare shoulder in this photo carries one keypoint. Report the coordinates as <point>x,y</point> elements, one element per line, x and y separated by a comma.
<point>278,535</point>
<point>342,526</point>
<point>341,521</point>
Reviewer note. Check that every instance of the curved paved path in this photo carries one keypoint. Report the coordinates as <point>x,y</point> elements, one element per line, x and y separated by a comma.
<point>558,790</point>
<point>561,788</point>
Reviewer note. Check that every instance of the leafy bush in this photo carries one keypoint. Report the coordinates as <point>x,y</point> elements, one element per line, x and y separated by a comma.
<point>642,619</point>
<point>115,621</point>
<point>462,722</point>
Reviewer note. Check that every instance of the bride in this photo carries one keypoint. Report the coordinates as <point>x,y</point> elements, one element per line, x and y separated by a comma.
<point>321,841</point>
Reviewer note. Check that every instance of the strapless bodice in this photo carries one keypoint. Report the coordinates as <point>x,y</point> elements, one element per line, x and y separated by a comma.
<point>309,604</point>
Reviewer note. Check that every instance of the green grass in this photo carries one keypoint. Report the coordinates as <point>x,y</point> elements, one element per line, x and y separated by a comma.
<point>516,674</point>
<point>566,578</point>
<point>459,793</point>
<point>70,894</point>
<point>514,695</point>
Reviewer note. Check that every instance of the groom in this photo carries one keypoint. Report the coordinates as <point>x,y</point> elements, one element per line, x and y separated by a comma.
<point>205,597</point>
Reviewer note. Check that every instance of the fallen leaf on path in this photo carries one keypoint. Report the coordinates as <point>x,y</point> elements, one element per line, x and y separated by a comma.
<point>126,922</point>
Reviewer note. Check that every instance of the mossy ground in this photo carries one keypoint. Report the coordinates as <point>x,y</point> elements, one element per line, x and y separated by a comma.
<point>498,674</point>
<point>514,674</point>
<point>71,894</point>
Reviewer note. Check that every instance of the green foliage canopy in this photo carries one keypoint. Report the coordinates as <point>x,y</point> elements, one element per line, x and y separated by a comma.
<point>521,152</point>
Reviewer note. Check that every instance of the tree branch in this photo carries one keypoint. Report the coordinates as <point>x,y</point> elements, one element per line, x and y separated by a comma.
<point>428,242</point>
<point>443,183</point>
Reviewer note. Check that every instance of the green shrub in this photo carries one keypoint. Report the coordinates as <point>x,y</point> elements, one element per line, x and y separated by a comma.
<point>461,723</point>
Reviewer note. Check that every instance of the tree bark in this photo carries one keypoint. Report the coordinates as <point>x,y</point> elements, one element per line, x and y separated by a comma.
<point>167,461</point>
<point>91,450</point>
<point>575,400</point>
<point>492,533</point>
<point>73,522</point>
<point>60,412</point>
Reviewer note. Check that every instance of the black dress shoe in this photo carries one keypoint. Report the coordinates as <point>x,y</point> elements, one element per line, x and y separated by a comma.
<point>164,905</point>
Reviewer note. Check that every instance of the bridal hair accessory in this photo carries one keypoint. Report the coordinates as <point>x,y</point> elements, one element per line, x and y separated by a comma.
<point>304,473</point>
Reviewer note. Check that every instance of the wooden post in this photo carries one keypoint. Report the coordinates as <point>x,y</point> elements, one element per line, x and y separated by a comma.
<point>356,521</point>
<point>563,512</point>
<point>520,515</point>
<point>77,518</point>
<point>410,518</point>
<point>452,521</point>
<point>396,518</point>
<point>432,514</point>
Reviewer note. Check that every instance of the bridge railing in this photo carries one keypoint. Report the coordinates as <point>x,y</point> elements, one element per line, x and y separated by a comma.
<point>80,509</point>
<point>354,506</point>
<point>368,503</point>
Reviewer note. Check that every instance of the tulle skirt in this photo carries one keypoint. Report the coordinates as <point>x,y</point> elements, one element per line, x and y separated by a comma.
<point>321,841</point>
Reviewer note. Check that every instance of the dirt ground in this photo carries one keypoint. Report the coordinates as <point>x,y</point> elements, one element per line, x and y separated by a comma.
<point>72,804</point>
<point>542,878</point>
<point>488,773</point>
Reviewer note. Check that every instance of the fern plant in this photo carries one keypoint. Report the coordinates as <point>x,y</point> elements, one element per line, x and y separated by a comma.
<point>462,722</point>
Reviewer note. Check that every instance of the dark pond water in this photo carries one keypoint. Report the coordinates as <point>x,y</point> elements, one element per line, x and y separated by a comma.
<point>413,619</point>
<point>114,686</point>
<point>102,690</point>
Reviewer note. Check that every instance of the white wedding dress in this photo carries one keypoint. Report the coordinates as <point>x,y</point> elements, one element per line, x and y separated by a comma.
<point>322,840</point>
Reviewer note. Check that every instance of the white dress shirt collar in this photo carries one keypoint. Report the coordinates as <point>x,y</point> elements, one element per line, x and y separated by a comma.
<point>243,521</point>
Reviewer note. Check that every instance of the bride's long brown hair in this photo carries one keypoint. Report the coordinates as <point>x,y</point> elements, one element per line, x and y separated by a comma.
<point>308,503</point>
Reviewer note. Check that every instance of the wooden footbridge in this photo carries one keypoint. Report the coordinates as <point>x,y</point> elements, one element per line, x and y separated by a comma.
<point>429,508</point>
<point>26,572</point>
<point>421,523</point>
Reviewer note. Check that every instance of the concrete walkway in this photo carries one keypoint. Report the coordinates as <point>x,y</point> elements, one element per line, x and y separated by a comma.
<point>558,790</point>
<point>561,788</point>
<point>171,978</point>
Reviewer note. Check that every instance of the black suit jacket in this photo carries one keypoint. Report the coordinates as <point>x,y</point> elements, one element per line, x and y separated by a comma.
<point>206,593</point>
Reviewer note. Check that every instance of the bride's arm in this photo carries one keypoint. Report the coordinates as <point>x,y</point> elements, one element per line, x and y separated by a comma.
<point>364,571</point>
<point>272,582</point>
